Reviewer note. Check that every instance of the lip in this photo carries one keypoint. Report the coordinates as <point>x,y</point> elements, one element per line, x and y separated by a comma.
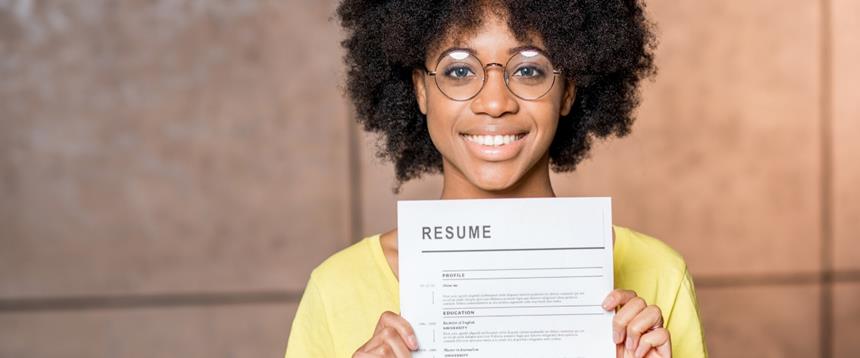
<point>495,153</point>
<point>492,132</point>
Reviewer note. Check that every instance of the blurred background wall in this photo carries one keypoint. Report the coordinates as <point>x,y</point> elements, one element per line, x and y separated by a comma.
<point>171,171</point>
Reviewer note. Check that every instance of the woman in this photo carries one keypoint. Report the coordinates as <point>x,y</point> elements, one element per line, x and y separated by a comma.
<point>492,94</point>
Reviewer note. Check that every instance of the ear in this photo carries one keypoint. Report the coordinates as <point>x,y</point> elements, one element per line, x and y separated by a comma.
<point>568,97</point>
<point>420,87</point>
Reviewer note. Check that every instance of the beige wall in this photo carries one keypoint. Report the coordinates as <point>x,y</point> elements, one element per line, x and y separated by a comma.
<point>171,171</point>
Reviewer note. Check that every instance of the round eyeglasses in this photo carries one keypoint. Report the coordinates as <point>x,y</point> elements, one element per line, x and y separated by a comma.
<point>460,75</point>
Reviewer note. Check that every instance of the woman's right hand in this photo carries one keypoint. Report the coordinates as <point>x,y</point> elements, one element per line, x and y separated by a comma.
<point>393,337</point>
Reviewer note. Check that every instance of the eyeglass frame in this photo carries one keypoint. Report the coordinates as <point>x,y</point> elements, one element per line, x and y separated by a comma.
<point>555,73</point>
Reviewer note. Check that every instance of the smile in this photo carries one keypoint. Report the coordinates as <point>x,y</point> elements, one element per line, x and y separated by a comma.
<point>493,140</point>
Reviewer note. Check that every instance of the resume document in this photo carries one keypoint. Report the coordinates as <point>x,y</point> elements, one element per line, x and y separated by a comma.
<point>507,277</point>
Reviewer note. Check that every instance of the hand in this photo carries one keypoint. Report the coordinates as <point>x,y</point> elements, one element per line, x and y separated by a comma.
<point>637,328</point>
<point>393,337</point>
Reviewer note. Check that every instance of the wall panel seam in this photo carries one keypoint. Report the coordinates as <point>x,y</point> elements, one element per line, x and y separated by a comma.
<point>826,176</point>
<point>131,301</point>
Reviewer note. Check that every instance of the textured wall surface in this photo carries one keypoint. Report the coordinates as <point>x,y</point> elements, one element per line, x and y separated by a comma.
<point>151,204</point>
<point>171,171</point>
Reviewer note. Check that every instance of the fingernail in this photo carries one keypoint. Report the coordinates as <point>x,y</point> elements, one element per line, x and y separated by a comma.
<point>413,342</point>
<point>629,345</point>
<point>616,336</point>
<point>606,302</point>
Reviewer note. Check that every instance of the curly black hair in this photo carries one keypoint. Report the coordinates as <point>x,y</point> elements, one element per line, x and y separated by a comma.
<point>604,46</point>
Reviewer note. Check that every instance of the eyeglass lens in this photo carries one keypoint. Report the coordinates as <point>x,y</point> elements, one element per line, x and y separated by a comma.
<point>528,74</point>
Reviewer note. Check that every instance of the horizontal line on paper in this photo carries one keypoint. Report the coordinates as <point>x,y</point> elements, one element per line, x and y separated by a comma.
<point>527,268</point>
<point>550,306</point>
<point>520,249</point>
<point>517,278</point>
<point>531,315</point>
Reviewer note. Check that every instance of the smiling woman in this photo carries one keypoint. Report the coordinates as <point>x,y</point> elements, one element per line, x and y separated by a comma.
<point>493,94</point>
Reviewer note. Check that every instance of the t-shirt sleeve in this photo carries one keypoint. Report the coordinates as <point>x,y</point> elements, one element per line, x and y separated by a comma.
<point>684,325</point>
<point>310,335</point>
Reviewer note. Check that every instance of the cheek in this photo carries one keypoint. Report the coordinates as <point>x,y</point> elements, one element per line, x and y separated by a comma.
<point>436,131</point>
<point>549,129</point>
<point>442,115</point>
<point>552,110</point>
<point>546,114</point>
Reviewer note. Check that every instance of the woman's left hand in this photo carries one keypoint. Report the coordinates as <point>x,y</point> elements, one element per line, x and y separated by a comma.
<point>637,327</point>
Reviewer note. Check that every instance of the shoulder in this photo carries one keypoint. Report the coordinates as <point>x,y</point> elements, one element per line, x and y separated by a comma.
<point>323,316</point>
<point>658,274</point>
<point>344,262</point>
<point>344,267</point>
<point>636,251</point>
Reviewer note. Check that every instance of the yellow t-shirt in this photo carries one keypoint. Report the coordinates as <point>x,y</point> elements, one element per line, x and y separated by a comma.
<point>348,292</point>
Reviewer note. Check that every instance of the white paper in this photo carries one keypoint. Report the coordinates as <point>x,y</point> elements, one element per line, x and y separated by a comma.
<point>507,277</point>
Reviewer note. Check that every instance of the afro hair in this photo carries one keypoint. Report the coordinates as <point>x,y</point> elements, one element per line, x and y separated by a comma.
<point>604,46</point>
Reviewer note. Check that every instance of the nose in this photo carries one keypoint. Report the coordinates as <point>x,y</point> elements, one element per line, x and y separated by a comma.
<point>494,99</point>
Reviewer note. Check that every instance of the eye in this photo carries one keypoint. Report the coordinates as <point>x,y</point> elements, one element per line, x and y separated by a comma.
<point>528,72</point>
<point>459,72</point>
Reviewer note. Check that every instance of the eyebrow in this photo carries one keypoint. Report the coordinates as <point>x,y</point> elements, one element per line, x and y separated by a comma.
<point>472,52</point>
<point>453,49</point>
<point>524,48</point>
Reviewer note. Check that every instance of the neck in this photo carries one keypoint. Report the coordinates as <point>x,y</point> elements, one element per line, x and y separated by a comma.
<point>535,183</point>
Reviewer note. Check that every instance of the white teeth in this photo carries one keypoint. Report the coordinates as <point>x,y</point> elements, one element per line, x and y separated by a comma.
<point>492,140</point>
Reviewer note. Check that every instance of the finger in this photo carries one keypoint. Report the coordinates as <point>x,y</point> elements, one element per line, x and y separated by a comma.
<point>386,343</point>
<point>624,315</point>
<point>656,342</point>
<point>381,351</point>
<point>398,323</point>
<point>614,299</point>
<point>617,297</point>
<point>648,318</point>
<point>371,347</point>
<point>394,345</point>
<point>620,352</point>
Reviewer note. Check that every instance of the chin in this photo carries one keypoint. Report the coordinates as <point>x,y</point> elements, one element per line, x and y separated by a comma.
<point>494,183</point>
